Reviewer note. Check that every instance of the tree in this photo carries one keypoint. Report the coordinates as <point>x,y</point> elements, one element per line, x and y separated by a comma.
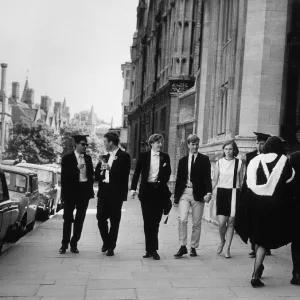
<point>36,142</point>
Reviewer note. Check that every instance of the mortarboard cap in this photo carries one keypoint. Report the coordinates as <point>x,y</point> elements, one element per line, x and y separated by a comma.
<point>261,136</point>
<point>80,137</point>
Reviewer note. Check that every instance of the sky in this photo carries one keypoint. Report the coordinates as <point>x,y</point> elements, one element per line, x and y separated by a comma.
<point>69,49</point>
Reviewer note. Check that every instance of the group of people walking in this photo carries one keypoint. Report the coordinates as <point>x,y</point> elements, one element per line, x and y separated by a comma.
<point>260,206</point>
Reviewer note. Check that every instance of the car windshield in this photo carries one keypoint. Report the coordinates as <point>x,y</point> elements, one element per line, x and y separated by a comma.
<point>16,182</point>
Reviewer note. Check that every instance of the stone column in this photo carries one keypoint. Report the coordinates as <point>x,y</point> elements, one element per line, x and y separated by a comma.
<point>265,40</point>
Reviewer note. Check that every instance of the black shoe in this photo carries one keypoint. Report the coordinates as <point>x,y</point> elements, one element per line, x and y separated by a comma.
<point>74,250</point>
<point>182,250</point>
<point>62,250</point>
<point>268,252</point>
<point>193,252</point>
<point>147,255</point>
<point>104,248</point>
<point>155,255</point>
<point>256,283</point>
<point>110,252</point>
<point>260,270</point>
<point>296,279</point>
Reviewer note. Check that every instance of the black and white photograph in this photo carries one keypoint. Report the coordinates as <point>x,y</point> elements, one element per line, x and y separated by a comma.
<point>149,149</point>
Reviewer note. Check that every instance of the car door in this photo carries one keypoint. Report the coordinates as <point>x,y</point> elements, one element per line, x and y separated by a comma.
<point>33,198</point>
<point>8,209</point>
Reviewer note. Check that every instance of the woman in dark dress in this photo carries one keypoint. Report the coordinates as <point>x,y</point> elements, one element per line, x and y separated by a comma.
<point>266,198</point>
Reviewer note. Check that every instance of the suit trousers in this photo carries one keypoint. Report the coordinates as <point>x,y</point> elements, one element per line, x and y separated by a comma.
<point>80,203</point>
<point>109,208</point>
<point>185,203</point>
<point>152,210</point>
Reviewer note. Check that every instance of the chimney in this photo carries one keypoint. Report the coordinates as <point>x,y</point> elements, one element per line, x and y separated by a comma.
<point>16,91</point>
<point>3,77</point>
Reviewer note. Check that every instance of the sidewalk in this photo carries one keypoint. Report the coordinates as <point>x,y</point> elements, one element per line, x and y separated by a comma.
<point>33,269</point>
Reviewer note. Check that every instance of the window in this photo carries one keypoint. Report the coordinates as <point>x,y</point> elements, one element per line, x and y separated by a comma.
<point>163,120</point>
<point>222,107</point>
<point>227,21</point>
<point>34,184</point>
<point>135,141</point>
<point>3,188</point>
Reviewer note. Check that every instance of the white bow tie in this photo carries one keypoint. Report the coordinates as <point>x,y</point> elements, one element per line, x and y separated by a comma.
<point>156,153</point>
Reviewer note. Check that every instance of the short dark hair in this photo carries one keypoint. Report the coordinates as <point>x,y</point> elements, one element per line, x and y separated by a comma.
<point>155,137</point>
<point>274,144</point>
<point>234,147</point>
<point>112,137</point>
<point>193,138</point>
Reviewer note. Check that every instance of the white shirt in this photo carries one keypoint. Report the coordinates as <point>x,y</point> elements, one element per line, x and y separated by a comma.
<point>110,162</point>
<point>154,166</point>
<point>80,160</point>
<point>226,171</point>
<point>189,167</point>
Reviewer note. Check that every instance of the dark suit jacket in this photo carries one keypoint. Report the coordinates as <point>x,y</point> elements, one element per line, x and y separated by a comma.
<point>70,177</point>
<point>201,177</point>
<point>118,176</point>
<point>250,156</point>
<point>143,167</point>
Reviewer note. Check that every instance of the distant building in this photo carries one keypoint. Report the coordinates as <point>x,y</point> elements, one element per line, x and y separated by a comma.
<point>126,74</point>
<point>53,114</point>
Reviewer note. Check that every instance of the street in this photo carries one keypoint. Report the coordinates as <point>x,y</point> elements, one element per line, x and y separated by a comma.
<point>33,269</point>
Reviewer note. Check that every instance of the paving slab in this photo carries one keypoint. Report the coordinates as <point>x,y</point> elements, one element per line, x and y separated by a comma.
<point>32,269</point>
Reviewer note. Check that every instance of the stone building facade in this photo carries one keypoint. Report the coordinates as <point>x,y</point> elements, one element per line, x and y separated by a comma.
<point>221,69</point>
<point>165,58</point>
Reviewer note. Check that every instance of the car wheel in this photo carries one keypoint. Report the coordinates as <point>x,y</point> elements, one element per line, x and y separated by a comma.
<point>30,226</point>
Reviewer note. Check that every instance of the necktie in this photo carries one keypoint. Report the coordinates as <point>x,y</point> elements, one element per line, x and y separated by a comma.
<point>192,163</point>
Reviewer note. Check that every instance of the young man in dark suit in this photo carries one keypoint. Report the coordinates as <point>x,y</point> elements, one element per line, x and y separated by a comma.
<point>192,189</point>
<point>77,178</point>
<point>112,174</point>
<point>154,166</point>
<point>261,139</point>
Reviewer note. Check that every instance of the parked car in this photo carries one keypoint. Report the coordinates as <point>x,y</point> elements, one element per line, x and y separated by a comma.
<point>9,162</point>
<point>23,188</point>
<point>9,210</point>
<point>59,200</point>
<point>47,182</point>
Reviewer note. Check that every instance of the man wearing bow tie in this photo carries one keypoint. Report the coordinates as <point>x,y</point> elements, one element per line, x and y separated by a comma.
<point>77,178</point>
<point>155,168</point>
<point>192,189</point>
<point>112,173</point>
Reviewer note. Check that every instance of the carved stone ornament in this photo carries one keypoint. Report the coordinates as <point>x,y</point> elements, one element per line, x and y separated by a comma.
<point>179,87</point>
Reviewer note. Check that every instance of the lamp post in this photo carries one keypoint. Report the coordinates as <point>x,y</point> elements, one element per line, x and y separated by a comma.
<point>3,96</point>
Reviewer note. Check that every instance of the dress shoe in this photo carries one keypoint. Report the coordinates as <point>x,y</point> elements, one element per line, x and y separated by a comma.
<point>193,252</point>
<point>268,252</point>
<point>155,256</point>
<point>252,254</point>
<point>147,255</point>
<point>296,279</point>
<point>74,250</point>
<point>104,248</point>
<point>110,252</point>
<point>62,250</point>
<point>182,250</point>
<point>256,283</point>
